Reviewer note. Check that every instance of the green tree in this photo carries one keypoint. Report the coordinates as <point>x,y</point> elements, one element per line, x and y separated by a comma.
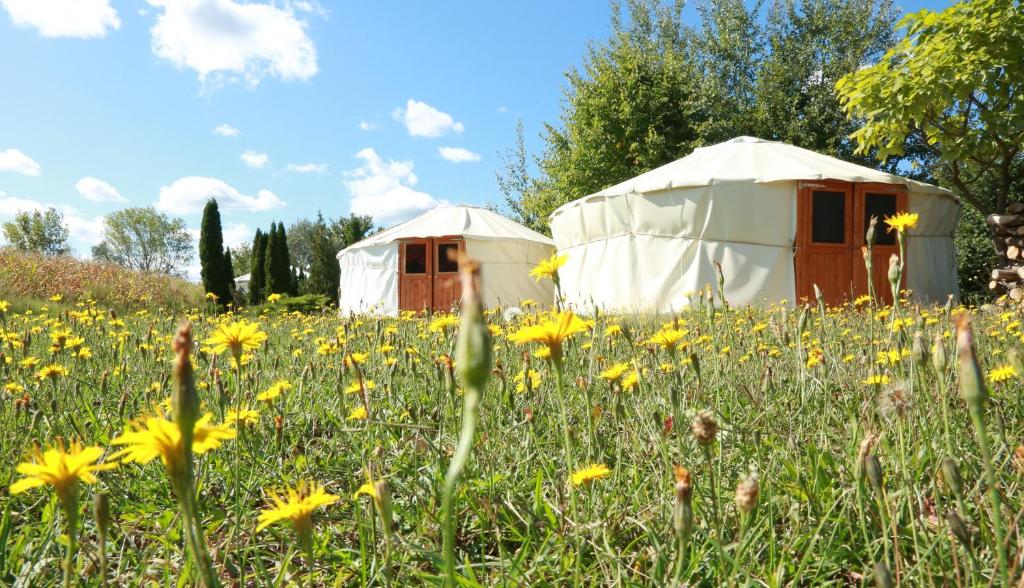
<point>145,240</point>
<point>324,272</point>
<point>952,85</point>
<point>241,255</point>
<point>212,259</point>
<point>38,232</point>
<point>257,272</point>
<point>277,269</point>
<point>342,232</point>
<point>229,270</point>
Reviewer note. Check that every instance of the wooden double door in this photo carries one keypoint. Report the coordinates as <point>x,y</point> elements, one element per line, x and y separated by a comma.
<point>832,222</point>
<point>428,273</point>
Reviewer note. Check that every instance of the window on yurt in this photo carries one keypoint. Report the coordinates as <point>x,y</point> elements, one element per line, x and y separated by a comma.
<point>882,206</point>
<point>828,217</point>
<point>447,260</point>
<point>415,258</point>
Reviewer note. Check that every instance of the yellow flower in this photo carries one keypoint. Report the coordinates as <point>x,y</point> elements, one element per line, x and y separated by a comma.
<point>589,474</point>
<point>442,323</point>
<point>548,268</point>
<point>237,337</point>
<point>29,362</point>
<point>297,506</point>
<point>862,299</point>
<point>211,296</point>
<point>56,298</point>
<point>615,372</point>
<point>356,358</point>
<point>551,332</point>
<point>902,221</point>
<point>4,306</point>
<point>52,372</point>
<point>876,379</point>
<point>668,338</point>
<point>276,389</point>
<point>355,388</point>
<point>357,414</point>
<point>612,330</point>
<point>273,298</point>
<point>242,416</point>
<point>61,468</point>
<point>156,436</point>
<point>1002,373</point>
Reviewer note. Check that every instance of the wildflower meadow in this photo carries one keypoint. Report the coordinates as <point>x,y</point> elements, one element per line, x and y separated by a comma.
<point>765,445</point>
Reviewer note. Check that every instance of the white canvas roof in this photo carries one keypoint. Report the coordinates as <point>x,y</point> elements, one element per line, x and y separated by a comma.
<point>467,221</point>
<point>751,160</point>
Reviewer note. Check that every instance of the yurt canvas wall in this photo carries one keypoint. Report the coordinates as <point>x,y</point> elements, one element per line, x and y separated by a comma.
<point>646,243</point>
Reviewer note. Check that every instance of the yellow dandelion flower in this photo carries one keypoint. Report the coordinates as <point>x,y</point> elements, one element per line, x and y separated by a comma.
<point>631,381</point>
<point>296,506</point>
<point>241,416</point>
<point>273,298</point>
<point>615,372</point>
<point>589,474</point>
<point>548,268</point>
<point>52,372</point>
<point>668,339</point>
<point>276,389</point>
<point>355,388</point>
<point>156,436</point>
<point>61,468</point>
<point>876,379</point>
<point>1002,373</point>
<point>237,337</point>
<point>357,414</point>
<point>902,221</point>
<point>552,332</point>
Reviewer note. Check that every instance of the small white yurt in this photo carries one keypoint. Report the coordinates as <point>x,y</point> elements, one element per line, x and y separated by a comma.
<point>410,265</point>
<point>779,219</point>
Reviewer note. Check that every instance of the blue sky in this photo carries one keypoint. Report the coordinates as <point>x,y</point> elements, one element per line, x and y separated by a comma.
<point>278,109</point>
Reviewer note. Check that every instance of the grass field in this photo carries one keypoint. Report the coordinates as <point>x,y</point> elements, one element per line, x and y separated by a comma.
<point>748,446</point>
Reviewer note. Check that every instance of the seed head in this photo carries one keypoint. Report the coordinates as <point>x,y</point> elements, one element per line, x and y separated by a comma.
<point>705,427</point>
<point>746,493</point>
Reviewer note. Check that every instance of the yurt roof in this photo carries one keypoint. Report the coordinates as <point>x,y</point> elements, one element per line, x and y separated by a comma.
<point>751,160</point>
<point>461,220</point>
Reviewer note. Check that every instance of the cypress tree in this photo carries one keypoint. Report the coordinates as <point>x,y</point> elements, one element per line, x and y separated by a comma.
<point>256,269</point>
<point>272,263</point>
<point>285,267</point>
<point>211,253</point>
<point>324,272</point>
<point>229,269</point>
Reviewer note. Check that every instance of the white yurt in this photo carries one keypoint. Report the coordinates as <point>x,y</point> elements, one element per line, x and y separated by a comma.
<point>779,219</point>
<point>410,266</point>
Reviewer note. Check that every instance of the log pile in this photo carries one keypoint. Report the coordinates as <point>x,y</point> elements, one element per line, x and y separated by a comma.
<point>1008,235</point>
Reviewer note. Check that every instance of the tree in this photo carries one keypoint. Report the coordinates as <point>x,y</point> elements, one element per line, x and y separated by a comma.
<point>342,232</point>
<point>257,271</point>
<point>953,86</point>
<point>324,272</point>
<point>351,230</point>
<point>229,271</point>
<point>212,258</point>
<point>276,266</point>
<point>241,256</point>
<point>145,240</point>
<point>38,232</point>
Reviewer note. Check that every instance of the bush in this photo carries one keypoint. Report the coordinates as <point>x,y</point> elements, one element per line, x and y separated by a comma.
<point>975,256</point>
<point>305,303</point>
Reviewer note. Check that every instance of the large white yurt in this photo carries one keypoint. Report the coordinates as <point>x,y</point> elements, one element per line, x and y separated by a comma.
<point>409,266</point>
<point>779,219</point>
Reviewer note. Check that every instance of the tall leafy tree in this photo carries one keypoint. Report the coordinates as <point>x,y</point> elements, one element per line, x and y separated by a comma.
<point>38,232</point>
<point>213,267</point>
<point>257,272</point>
<point>953,84</point>
<point>342,232</point>
<point>241,256</point>
<point>145,240</point>
<point>324,272</point>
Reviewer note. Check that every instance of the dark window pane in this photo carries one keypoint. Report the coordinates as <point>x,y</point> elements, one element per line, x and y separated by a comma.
<point>447,262</point>
<point>415,258</point>
<point>828,217</point>
<point>882,206</point>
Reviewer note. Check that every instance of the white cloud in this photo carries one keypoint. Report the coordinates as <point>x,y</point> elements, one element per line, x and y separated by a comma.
<point>226,130</point>
<point>84,231</point>
<point>224,40</point>
<point>384,189</point>
<point>458,154</point>
<point>307,168</point>
<point>365,125</point>
<point>82,19</point>
<point>96,190</point>
<point>189,195</point>
<point>16,161</point>
<point>236,234</point>
<point>502,109</point>
<point>423,120</point>
<point>255,160</point>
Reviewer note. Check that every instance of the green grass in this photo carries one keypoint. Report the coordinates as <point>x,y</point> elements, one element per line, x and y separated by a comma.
<point>818,519</point>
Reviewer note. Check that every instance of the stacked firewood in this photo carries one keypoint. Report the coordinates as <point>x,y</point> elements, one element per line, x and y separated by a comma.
<point>1008,234</point>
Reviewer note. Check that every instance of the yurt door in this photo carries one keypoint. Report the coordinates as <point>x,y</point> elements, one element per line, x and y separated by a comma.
<point>825,217</point>
<point>415,276</point>
<point>447,288</point>
<point>882,201</point>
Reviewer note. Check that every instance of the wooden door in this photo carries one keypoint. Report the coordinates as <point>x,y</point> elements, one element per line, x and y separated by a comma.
<point>824,241</point>
<point>415,274</point>
<point>881,201</point>
<point>447,287</point>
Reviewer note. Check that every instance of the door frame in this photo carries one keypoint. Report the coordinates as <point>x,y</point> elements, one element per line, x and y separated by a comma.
<point>902,195</point>
<point>431,275</point>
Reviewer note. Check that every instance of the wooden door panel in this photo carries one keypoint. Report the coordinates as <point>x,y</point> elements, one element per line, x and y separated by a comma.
<point>414,275</point>
<point>824,241</point>
<point>447,288</point>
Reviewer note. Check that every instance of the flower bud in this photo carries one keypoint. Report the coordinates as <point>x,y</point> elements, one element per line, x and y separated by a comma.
<point>747,492</point>
<point>873,469</point>
<point>972,384</point>
<point>918,351</point>
<point>382,499</point>
<point>185,401</point>
<point>705,427</point>
<point>951,476</point>
<point>959,528</point>
<point>101,512</point>
<point>939,356</point>
<point>473,348</point>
